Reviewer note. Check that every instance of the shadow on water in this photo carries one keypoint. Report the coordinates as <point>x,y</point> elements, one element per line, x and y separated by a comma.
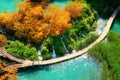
<point>116,24</point>
<point>34,69</point>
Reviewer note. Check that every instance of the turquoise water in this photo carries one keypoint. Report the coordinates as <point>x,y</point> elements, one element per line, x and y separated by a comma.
<point>116,25</point>
<point>8,5</point>
<point>80,68</point>
<point>60,3</point>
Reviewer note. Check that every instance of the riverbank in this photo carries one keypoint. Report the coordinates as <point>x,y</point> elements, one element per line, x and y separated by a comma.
<point>108,54</point>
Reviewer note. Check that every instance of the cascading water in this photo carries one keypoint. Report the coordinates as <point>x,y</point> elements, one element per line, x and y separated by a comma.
<point>39,52</point>
<point>66,50</point>
<point>53,54</point>
<point>101,24</point>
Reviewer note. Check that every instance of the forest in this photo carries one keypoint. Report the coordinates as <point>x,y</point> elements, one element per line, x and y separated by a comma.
<point>37,24</point>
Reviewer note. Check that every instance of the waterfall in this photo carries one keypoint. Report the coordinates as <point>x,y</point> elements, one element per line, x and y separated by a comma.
<point>53,53</point>
<point>39,52</point>
<point>64,46</point>
<point>101,24</point>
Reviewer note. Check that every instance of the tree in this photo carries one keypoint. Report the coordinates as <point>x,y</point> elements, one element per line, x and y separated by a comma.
<point>33,24</point>
<point>3,40</point>
<point>7,73</point>
<point>58,19</point>
<point>74,8</point>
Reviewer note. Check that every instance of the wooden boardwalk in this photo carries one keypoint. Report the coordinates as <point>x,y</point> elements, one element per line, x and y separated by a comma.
<point>26,63</point>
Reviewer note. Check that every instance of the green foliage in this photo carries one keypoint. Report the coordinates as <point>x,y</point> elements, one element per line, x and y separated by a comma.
<point>58,46</point>
<point>18,49</point>
<point>45,53</point>
<point>109,56</point>
<point>46,50</point>
<point>86,23</point>
<point>69,42</point>
<point>87,40</point>
<point>94,25</point>
<point>113,37</point>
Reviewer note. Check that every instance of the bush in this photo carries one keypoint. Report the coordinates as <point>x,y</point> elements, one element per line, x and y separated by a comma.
<point>109,56</point>
<point>45,53</point>
<point>69,42</point>
<point>113,37</point>
<point>58,46</point>
<point>87,40</point>
<point>86,23</point>
<point>18,49</point>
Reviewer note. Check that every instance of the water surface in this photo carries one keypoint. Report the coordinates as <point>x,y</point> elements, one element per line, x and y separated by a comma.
<point>116,24</point>
<point>60,3</point>
<point>9,5</point>
<point>80,68</point>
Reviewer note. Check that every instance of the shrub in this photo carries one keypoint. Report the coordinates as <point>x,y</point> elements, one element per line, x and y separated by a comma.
<point>108,53</point>
<point>113,37</point>
<point>87,40</point>
<point>58,46</point>
<point>45,53</point>
<point>18,49</point>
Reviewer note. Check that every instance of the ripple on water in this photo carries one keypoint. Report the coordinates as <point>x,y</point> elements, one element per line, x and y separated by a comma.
<point>80,68</point>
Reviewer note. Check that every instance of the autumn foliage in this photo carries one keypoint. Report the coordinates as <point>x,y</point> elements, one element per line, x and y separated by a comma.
<point>34,23</point>
<point>3,40</point>
<point>74,8</point>
<point>31,25</point>
<point>58,19</point>
<point>7,73</point>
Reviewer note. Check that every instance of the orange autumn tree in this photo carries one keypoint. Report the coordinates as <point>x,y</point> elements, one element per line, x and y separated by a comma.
<point>58,19</point>
<point>7,73</point>
<point>32,26</point>
<point>74,8</point>
<point>36,24</point>
<point>3,40</point>
<point>8,20</point>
